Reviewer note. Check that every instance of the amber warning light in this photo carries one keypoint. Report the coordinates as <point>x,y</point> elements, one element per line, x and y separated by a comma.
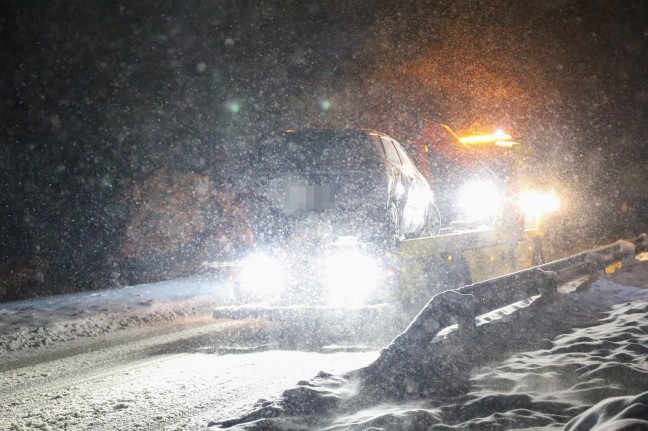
<point>499,138</point>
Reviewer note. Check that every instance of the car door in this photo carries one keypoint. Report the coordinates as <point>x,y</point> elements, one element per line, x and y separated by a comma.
<point>418,193</point>
<point>409,193</point>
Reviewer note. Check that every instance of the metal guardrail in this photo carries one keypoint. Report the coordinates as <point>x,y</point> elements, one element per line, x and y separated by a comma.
<point>590,261</point>
<point>464,304</point>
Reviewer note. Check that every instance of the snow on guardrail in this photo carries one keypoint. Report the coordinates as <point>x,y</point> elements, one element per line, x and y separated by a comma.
<point>463,305</point>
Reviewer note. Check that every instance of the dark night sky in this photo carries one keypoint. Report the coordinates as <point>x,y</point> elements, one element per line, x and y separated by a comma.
<point>97,95</point>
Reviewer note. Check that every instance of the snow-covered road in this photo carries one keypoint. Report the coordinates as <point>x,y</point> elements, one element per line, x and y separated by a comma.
<point>152,357</point>
<point>63,318</point>
<point>135,385</point>
<point>142,357</point>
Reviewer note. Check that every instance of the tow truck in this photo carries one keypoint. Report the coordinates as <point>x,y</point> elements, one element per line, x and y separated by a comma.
<point>485,223</point>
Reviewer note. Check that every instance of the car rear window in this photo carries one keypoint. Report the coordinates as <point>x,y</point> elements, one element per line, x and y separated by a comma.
<point>318,151</point>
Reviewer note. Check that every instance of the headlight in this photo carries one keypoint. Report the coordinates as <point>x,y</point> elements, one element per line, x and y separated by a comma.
<point>535,205</point>
<point>480,201</point>
<point>350,277</point>
<point>261,276</point>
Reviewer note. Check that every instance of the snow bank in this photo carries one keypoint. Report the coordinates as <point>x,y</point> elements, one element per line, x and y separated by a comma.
<point>574,360</point>
<point>53,320</point>
<point>618,413</point>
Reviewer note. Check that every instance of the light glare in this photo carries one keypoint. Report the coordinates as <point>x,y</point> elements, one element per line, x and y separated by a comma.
<point>262,276</point>
<point>350,277</point>
<point>498,136</point>
<point>535,205</point>
<point>480,201</point>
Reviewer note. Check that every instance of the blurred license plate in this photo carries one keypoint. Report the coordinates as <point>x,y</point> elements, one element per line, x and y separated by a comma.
<point>311,198</point>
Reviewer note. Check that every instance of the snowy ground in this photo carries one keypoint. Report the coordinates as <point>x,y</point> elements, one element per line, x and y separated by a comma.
<point>146,357</point>
<point>578,363</point>
<point>151,357</point>
<point>63,318</point>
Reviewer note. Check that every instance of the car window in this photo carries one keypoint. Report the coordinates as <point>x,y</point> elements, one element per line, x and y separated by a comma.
<point>390,151</point>
<point>407,162</point>
<point>318,151</point>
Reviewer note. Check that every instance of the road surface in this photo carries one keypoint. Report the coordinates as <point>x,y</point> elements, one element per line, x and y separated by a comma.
<point>147,357</point>
<point>174,376</point>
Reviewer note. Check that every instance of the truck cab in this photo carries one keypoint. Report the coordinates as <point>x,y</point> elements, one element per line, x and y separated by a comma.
<point>480,180</point>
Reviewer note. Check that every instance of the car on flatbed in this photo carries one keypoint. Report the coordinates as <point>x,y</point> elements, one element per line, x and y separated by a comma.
<point>336,183</point>
<point>345,217</point>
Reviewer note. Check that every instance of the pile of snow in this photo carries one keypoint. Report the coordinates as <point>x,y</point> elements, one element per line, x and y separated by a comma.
<point>63,318</point>
<point>617,413</point>
<point>582,349</point>
<point>583,366</point>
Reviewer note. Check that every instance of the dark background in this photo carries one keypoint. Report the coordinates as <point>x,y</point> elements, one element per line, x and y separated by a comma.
<point>119,119</point>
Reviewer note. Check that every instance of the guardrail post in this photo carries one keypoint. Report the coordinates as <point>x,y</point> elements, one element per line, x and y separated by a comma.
<point>548,288</point>
<point>466,321</point>
<point>440,312</point>
<point>596,263</point>
<point>641,243</point>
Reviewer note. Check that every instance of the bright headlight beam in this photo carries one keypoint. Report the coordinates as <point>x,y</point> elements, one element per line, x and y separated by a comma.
<point>535,204</point>
<point>261,276</point>
<point>350,276</point>
<point>480,200</point>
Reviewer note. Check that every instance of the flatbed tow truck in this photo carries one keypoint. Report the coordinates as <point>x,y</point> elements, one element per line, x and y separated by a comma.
<point>369,283</point>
